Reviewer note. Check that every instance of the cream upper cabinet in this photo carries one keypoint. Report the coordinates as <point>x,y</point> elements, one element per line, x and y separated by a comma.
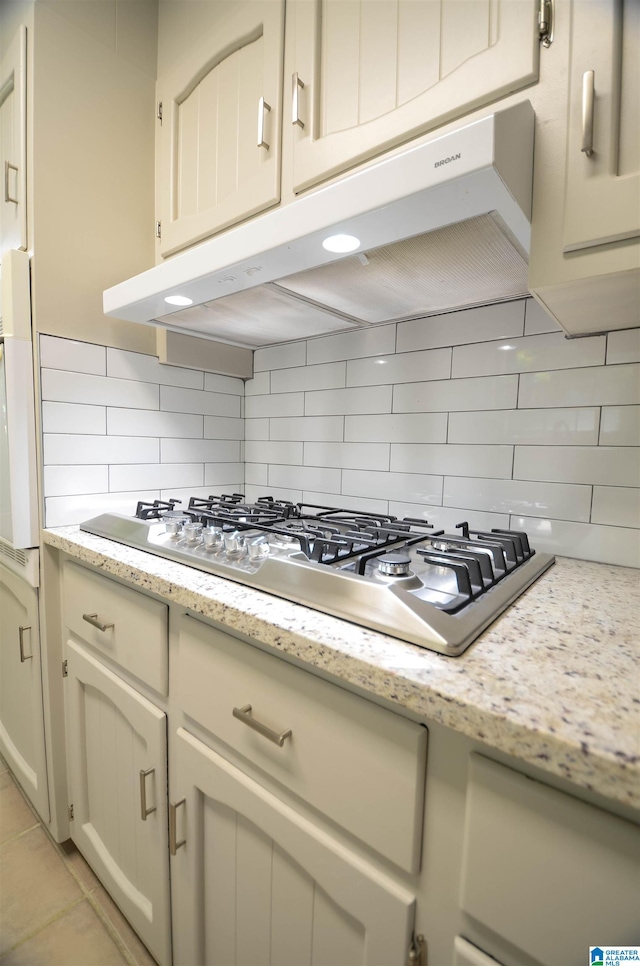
<point>219,139</point>
<point>602,201</point>
<point>13,146</point>
<point>366,75</point>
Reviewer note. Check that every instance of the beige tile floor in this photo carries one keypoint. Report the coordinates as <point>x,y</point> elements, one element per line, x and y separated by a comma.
<point>53,910</point>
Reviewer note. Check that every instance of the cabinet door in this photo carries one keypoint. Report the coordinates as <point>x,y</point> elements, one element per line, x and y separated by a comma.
<point>219,145</point>
<point>373,73</point>
<point>21,708</point>
<point>117,747</point>
<point>255,882</point>
<point>602,200</point>
<point>13,145</point>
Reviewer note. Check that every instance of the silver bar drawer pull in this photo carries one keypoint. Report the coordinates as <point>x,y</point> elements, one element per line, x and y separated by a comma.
<point>244,715</point>
<point>23,657</point>
<point>93,620</point>
<point>7,193</point>
<point>588,109</point>
<point>262,107</point>
<point>296,85</point>
<point>144,811</point>
<point>173,844</point>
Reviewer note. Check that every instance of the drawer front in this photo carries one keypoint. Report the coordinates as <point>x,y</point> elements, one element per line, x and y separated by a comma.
<point>135,633</point>
<point>357,763</point>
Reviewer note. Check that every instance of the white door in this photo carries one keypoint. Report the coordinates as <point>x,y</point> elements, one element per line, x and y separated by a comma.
<point>369,74</point>
<point>21,709</point>
<point>256,883</point>
<point>13,144</point>
<point>602,199</point>
<point>219,143</point>
<point>117,747</point>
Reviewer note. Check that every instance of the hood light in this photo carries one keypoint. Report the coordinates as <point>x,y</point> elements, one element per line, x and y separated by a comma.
<point>341,243</point>
<point>178,300</point>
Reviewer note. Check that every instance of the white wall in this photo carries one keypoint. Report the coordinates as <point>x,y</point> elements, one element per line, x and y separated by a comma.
<point>488,415</point>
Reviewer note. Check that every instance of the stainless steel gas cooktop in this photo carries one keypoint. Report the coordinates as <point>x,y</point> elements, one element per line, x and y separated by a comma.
<point>403,577</point>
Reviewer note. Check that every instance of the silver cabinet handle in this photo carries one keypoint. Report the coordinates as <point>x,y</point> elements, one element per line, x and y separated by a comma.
<point>93,620</point>
<point>173,845</point>
<point>244,715</point>
<point>262,107</point>
<point>7,194</point>
<point>296,85</point>
<point>144,811</point>
<point>588,110</point>
<point>23,657</point>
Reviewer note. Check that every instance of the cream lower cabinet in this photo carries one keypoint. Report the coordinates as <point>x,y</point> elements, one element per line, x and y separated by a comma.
<point>254,881</point>
<point>365,75</point>
<point>117,770</point>
<point>22,740</point>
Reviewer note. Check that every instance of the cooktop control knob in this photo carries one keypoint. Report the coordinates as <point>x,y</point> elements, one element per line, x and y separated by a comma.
<point>235,543</point>
<point>394,564</point>
<point>193,532</point>
<point>258,548</point>
<point>212,537</point>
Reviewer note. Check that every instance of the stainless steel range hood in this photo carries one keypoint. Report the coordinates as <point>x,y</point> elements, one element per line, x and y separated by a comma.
<point>441,226</point>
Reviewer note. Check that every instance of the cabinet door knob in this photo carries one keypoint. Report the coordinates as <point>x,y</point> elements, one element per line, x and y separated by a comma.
<point>296,86</point>
<point>588,110</point>
<point>262,107</point>
<point>23,657</point>
<point>173,844</point>
<point>144,811</point>
<point>244,714</point>
<point>93,620</point>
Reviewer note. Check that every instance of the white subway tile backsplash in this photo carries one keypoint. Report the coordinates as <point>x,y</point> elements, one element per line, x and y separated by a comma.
<point>560,501</point>
<point>56,353</point>
<point>257,451</point>
<point>617,506</point>
<point>222,427</point>
<point>307,428</point>
<point>59,448</point>
<point>503,321</point>
<point>620,426</point>
<point>615,545</point>
<point>406,367</point>
<point>256,474</point>
<point>61,511</point>
<point>159,475</point>
<point>397,428</point>
<point>530,354</point>
<point>260,385</point>
<point>254,492</point>
<point>364,504</point>
<point>79,387</point>
<point>298,379</point>
<point>623,346</point>
<point>123,364</point>
<point>225,476</point>
<point>329,402</point>
<point>448,518</point>
<point>601,386</point>
<point>280,356</point>
<point>448,395</point>
<point>74,480</point>
<point>124,422</point>
<point>304,478</point>
<point>607,465</point>
<point>177,400</point>
<point>278,404</point>
<point>256,429</point>
<point>215,382</point>
<point>73,418</point>
<point>452,460</point>
<point>536,320</point>
<point>553,427</point>
<point>373,341</point>
<point>199,450</point>
<point>355,456</point>
<point>406,487</point>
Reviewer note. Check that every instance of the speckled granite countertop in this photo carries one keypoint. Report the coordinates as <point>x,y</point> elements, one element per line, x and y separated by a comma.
<point>555,681</point>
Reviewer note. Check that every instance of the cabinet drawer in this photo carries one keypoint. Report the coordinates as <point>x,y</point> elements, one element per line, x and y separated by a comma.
<point>360,765</point>
<point>135,633</point>
<point>535,855</point>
